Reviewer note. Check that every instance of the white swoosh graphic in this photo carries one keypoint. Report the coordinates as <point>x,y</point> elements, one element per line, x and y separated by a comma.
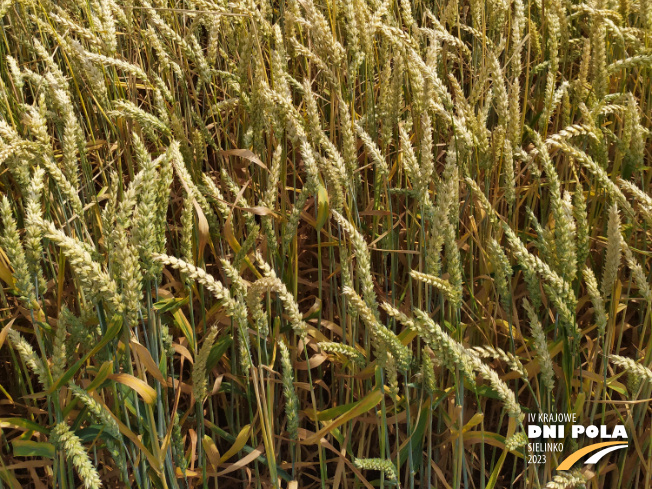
<point>595,458</point>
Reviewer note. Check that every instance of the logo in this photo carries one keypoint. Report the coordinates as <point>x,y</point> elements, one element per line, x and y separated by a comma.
<point>555,427</point>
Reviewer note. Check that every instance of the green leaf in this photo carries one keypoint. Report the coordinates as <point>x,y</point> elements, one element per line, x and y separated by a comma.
<point>361,407</point>
<point>105,370</point>
<point>416,438</point>
<point>218,349</point>
<point>181,321</point>
<point>170,305</point>
<point>22,424</point>
<point>497,468</point>
<point>612,383</point>
<point>31,448</point>
<point>328,414</point>
<point>10,479</point>
<point>45,326</point>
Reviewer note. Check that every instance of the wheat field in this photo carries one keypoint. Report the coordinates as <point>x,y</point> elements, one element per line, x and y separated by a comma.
<point>323,244</point>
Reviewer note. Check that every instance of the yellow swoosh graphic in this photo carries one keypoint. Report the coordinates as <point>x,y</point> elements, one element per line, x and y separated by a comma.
<point>570,461</point>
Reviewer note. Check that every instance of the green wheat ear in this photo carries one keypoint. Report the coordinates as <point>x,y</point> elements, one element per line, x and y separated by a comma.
<point>382,465</point>
<point>97,410</point>
<point>614,250</point>
<point>10,241</point>
<point>30,357</point>
<point>428,372</point>
<point>541,346</point>
<point>632,367</point>
<point>345,350</point>
<point>73,449</point>
<point>291,399</point>
<point>516,441</point>
<point>199,373</point>
<point>567,480</point>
